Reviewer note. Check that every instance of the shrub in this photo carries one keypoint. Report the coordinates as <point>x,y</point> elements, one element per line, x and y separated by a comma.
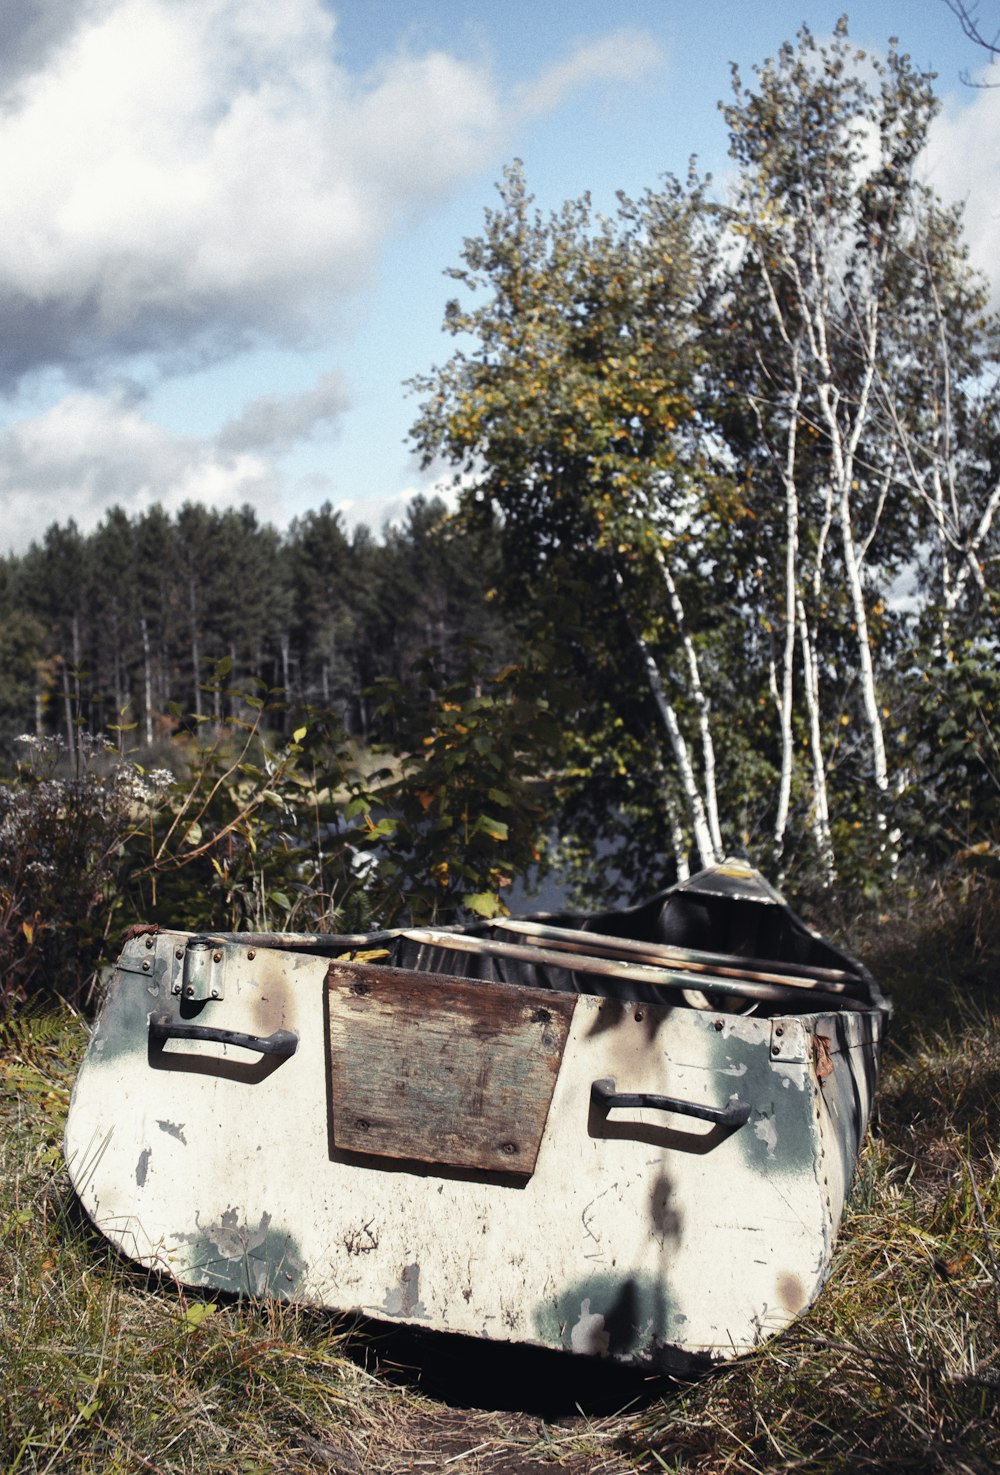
<point>63,842</point>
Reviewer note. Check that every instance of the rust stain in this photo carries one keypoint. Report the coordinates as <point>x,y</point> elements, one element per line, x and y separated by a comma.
<point>824,1059</point>
<point>791,1293</point>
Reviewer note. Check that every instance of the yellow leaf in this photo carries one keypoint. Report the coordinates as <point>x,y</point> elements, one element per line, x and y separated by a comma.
<point>198,1312</point>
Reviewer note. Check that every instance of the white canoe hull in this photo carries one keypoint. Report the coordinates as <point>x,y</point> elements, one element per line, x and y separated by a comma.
<point>638,1233</point>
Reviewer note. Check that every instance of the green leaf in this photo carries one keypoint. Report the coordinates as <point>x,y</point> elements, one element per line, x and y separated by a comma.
<point>493,827</point>
<point>198,1312</point>
<point>299,734</point>
<point>484,904</point>
<point>192,835</point>
<point>280,899</point>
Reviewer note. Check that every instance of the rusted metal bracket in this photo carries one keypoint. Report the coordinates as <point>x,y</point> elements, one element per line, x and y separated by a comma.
<point>201,975</point>
<point>790,1042</point>
<point>136,959</point>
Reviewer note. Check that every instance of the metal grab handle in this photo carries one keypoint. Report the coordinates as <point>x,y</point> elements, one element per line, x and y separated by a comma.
<point>734,1114</point>
<point>163,1027</point>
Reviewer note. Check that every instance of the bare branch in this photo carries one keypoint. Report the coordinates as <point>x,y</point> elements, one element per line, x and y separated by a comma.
<point>968,19</point>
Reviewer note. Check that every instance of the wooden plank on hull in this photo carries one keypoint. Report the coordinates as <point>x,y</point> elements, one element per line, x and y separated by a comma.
<point>442,1070</point>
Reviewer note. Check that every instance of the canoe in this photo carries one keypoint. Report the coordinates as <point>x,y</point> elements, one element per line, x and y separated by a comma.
<point>627,1134</point>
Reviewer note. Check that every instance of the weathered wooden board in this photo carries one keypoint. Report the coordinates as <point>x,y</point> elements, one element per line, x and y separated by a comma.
<point>442,1070</point>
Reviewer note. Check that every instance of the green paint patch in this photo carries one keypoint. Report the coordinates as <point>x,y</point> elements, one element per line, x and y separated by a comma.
<point>245,1260</point>
<point>610,1316</point>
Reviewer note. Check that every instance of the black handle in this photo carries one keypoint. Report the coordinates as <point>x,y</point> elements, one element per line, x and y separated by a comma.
<point>732,1115</point>
<point>163,1027</point>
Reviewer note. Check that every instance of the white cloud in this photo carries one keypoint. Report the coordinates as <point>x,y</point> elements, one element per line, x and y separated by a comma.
<point>277,422</point>
<point>381,512</point>
<point>91,451</point>
<point>185,177</point>
<point>962,162</point>
<point>623,56</point>
<point>30,30</point>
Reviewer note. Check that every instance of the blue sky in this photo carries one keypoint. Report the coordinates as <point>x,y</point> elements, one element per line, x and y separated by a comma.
<point>227,221</point>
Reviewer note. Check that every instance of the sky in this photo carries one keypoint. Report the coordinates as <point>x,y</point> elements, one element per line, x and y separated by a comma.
<point>226,223</point>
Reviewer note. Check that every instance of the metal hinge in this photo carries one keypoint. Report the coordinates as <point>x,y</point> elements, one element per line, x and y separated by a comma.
<point>201,974</point>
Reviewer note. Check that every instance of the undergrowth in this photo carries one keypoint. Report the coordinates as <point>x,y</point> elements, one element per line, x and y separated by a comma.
<point>896,1367</point>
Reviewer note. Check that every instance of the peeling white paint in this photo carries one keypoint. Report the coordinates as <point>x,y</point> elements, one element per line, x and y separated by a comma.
<point>791,1074</point>
<point>588,1335</point>
<point>766,1129</point>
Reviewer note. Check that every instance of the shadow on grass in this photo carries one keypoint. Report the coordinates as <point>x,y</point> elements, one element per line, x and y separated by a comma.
<point>466,1372</point>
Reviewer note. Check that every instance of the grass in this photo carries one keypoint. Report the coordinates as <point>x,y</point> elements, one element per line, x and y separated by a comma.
<point>897,1367</point>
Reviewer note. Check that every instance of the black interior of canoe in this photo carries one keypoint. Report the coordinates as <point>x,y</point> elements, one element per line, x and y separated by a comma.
<point>724,940</point>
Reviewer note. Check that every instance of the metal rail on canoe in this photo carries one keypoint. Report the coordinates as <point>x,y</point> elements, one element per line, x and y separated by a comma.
<point>725,965</point>
<point>662,964</point>
<point>779,988</point>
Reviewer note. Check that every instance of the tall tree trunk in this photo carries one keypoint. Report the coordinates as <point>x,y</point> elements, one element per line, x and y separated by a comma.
<point>147,674</point>
<point>820,806</point>
<point>286,674</point>
<point>77,662</point>
<point>195,646</point>
<point>701,707</point>
<point>694,802</point>
<point>68,711</point>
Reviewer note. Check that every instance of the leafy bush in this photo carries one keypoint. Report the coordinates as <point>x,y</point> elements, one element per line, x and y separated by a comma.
<point>251,834</point>
<point>267,834</point>
<point>63,842</point>
<point>461,813</point>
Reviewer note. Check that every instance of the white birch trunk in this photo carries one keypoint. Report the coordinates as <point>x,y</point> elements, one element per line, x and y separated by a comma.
<point>701,703</point>
<point>701,832</point>
<point>786,696</point>
<point>820,807</point>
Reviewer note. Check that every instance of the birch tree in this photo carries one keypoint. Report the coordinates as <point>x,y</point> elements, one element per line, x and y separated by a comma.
<point>826,218</point>
<point>570,418</point>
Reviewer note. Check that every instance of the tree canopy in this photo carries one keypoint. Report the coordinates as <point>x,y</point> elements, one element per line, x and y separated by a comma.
<point>742,459</point>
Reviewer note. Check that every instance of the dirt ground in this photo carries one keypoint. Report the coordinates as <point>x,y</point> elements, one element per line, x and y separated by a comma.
<point>480,1408</point>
